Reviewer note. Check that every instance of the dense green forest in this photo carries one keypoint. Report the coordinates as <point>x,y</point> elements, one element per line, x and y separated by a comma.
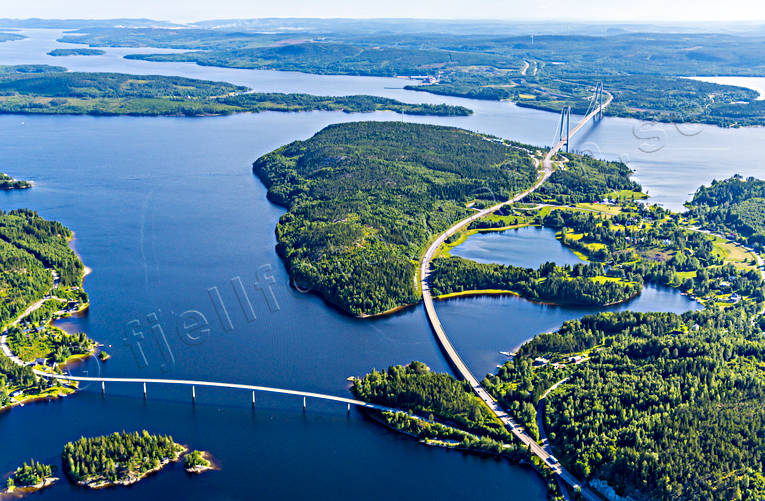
<point>30,474</point>
<point>8,183</point>
<point>43,90</point>
<point>578,285</point>
<point>665,406</point>
<point>364,199</point>
<point>47,241</point>
<point>443,411</point>
<point>76,52</point>
<point>117,458</point>
<point>416,388</point>
<point>582,178</point>
<point>735,207</point>
<point>547,71</point>
<point>256,102</point>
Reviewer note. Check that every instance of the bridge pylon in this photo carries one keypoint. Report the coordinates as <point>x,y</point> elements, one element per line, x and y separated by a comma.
<point>564,127</point>
<point>598,99</point>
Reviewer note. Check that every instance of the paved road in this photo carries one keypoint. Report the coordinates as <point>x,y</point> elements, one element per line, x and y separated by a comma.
<point>446,345</point>
<point>541,416</point>
<point>189,382</point>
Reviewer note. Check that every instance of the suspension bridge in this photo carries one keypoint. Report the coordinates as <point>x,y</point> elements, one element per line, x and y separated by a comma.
<point>595,110</point>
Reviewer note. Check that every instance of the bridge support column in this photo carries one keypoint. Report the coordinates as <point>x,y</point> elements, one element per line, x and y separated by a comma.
<point>103,388</point>
<point>349,408</point>
<point>193,394</point>
<point>253,399</point>
<point>303,404</point>
<point>144,391</point>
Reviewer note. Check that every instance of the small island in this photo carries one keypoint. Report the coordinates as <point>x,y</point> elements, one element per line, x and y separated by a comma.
<point>9,183</point>
<point>31,477</point>
<point>76,52</point>
<point>197,462</point>
<point>118,459</point>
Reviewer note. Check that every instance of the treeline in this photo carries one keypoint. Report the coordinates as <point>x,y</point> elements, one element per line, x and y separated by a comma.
<point>577,285</point>
<point>47,241</point>
<point>416,388</point>
<point>116,457</point>
<point>666,407</point>
<point>365,198</point>
<point>23,278</point>
<point>583,178</point>
<point>735,207</point>
<point>256,102</point>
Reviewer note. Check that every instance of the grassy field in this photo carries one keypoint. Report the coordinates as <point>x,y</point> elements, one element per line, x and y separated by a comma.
<point>606,209</point>
<point>735,254</point>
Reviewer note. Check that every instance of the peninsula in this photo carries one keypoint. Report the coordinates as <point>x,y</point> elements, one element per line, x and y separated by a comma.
<point>41,278</point>
<point>53,90</point>
<point>8,183</point>
<point>76,52</point>
<point>364,199</point>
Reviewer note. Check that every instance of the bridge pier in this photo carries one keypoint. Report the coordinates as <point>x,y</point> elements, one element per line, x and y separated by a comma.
<point>193,394</point>
<point>303,404</point>
<point>144,390</point>
<point>253,399</point>
<point>349,408</point>
<point>103,389</point>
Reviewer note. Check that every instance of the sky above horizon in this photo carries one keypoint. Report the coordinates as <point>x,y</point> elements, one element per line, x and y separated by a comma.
<point>585,10</point>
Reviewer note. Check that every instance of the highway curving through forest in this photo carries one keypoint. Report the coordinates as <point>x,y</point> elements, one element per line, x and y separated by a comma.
<point>443,340</point>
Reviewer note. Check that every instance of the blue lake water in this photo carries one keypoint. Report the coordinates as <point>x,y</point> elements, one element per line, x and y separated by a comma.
<point>529,247</point>
<point>167,211</point>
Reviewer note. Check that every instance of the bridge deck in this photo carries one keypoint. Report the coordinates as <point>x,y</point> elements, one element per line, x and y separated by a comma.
<point>446,346</point>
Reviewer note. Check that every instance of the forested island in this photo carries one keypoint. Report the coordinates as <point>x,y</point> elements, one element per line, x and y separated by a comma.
<point>48,89</point>
<point>197,462</point>
<point>549,71</point>
<point>8,183</point>
<point>118,459</point>
<point>76,52</point>
<point>41,279</point>
<point>31,477</point>
<point>365,198</point>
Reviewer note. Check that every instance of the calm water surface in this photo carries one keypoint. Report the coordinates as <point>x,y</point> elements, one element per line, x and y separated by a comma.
<point>529,247</point>
<point>166,211</point>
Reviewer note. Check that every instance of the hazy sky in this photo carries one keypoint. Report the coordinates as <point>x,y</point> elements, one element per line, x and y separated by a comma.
<point>188,10</point>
